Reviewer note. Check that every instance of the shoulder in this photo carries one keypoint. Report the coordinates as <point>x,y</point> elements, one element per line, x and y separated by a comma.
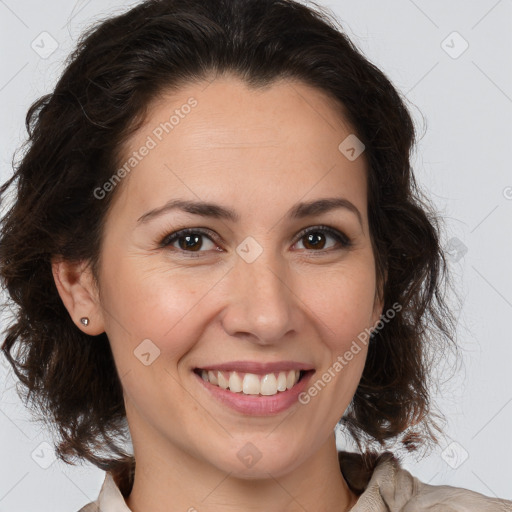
<point>382,485</point>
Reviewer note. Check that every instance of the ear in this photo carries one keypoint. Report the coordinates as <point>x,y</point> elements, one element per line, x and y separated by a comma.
<point>77,289</point>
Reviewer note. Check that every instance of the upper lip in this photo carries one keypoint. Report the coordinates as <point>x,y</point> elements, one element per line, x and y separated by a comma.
<point>257,367</point>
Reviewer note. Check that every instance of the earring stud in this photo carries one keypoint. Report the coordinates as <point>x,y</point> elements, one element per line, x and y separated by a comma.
<point>84,320</point>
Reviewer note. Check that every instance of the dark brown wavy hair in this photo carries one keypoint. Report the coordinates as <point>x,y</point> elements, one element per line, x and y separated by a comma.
<point>75,138</point>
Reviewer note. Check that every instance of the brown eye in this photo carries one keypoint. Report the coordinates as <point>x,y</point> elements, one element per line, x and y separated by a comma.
<point>192,242</point>
<point>189,240</point>
<point>315,238</point>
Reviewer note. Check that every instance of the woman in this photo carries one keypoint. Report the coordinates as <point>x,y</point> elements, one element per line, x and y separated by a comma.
<point>217,246</point>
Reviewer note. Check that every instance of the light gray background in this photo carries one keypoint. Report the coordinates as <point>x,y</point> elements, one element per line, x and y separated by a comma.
<point>462,159</point>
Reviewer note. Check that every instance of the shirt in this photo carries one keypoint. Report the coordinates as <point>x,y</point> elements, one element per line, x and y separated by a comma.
<point>383,486</point>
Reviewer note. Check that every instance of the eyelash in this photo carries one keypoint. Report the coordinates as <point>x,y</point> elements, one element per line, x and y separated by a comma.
<point>341,238</point>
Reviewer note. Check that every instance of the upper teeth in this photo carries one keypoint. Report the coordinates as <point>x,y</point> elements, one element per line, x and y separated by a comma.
<point>250,383</point>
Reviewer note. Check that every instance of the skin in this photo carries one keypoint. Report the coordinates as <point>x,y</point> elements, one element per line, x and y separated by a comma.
<point>257,151</point>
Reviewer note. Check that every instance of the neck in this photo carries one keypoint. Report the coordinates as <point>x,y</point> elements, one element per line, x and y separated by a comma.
<point>185,483</point>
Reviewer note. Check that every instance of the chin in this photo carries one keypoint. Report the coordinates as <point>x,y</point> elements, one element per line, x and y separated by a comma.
<point>258,459</point>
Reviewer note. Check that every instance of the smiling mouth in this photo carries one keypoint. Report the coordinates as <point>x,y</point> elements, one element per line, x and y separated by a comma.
<point>253,384</point>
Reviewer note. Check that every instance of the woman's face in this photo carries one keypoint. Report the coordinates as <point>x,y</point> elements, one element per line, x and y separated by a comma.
<point>239,291</point>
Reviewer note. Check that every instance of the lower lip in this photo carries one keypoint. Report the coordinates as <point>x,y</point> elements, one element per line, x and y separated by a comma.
<point>258,405</point>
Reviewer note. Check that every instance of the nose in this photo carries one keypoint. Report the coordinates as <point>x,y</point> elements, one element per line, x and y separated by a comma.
<point>263,307</point>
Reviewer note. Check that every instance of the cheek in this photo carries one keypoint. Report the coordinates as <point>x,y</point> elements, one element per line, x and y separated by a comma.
<point>150,325</point>
<point>137,285</point>
<point>344,301</point>
<point>143,301</point>
<point>344,308</point>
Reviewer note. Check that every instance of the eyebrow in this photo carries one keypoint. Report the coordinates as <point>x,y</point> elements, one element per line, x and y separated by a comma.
<point>216,211</point>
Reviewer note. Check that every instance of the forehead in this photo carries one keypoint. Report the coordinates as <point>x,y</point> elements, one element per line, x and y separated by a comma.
<point>210,139</point>
<point>233,112</point>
